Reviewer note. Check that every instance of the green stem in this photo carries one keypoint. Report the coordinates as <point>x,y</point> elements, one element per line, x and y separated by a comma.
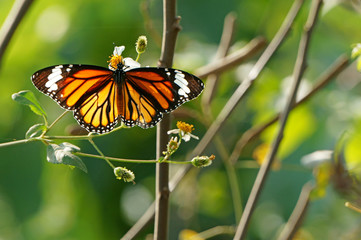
<point>137,57</point>
<point>53,123</point>
<point>128,160</point>
<point>100,152</point>
<point>82,137</point>
<point>116,159</point>
<point>18,142</point>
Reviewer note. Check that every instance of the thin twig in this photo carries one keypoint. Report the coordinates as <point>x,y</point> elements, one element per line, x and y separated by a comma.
<point>6,144</point>
<point>100,152</point>
<point>224,45</point>
<point>207,96</point>
<point>298,214</point>
<point>247,83</point>
<point>171,28</point>
<point>12,21</point>
<point>213,232</point>
<point>232,60</point>
<point>337,67</point>
<point>297,76</point>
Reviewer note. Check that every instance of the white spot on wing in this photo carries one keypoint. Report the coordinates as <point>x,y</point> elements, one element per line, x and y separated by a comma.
<point>182,93</point>
<point>53,78</point>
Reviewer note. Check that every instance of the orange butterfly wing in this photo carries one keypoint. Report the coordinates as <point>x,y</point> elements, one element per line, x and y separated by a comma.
<point>147,93</point>
<point>88,90</point>
<point>98,96</point>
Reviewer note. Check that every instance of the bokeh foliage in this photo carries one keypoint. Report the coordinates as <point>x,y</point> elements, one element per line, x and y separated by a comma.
<point>39,200</point>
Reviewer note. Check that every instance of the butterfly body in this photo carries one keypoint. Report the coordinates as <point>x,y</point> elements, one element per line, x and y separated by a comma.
<point>100,96</point>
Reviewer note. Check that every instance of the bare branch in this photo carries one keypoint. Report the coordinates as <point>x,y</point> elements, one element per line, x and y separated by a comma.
<point>298,214</point>
<point>297,75</point>
<point>232,60</point>
<point>224,45</point>
<point>337,67</point>
<point>12,21</point>
<point>247,83</point>
<point>171,28</point>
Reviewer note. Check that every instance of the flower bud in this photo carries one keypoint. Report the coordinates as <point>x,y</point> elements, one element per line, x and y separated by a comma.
<point>123,173</point>
<point>173,145</point>
<point>141,44</point>
<point>203,161</point>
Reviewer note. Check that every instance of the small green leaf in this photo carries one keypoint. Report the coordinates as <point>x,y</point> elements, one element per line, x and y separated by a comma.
<point>35,130</point>
<point>63,154</point>
<point>28,98</point>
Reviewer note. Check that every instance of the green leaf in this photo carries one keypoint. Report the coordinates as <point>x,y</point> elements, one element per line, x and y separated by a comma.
<point>35,130</point>
<point>28,98</point>
<point>63,154</point>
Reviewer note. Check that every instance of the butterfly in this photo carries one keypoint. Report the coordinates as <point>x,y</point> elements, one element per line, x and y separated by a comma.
<point>100,96</point>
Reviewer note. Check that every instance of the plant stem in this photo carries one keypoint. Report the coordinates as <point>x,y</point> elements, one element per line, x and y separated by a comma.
<point>5,144</point>
<point>100,152</point>
<point>53,123</point>
<point>297,75</point>
<point>128,160</point>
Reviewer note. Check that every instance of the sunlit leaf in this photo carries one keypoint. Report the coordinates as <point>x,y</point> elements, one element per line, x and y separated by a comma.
<point>260,154</point>
<point>300,125</point>
<point>63,154</point>
<point>352,152</point>
<point>188,234</point>
<point>35,130</point>
<point>322,174</point>
<point>302,234</point>
<point>356,50</point>
<point>359,63</point>
<point>28,98</point>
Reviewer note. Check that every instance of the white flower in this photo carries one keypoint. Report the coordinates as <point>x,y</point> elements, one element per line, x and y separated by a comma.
<point>184,131</point>
<point>129,63</point>
<point>117,60</point>
<point>118,50</point>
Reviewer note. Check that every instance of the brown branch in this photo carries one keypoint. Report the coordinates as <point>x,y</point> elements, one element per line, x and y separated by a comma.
<point>224,45</point>
<point>297,76</point>
<point>232,60</point>
<point>207,96</point>
<point>12,21</point>
<point>170,31</point>
<point>298,214</point>
<point>337,67</point>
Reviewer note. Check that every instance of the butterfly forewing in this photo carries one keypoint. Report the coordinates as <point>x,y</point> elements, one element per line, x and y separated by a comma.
<point>88,90</point>
<point>150,92</point>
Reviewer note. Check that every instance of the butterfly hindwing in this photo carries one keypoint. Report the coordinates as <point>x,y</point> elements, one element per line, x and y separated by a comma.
<point>149,92</point>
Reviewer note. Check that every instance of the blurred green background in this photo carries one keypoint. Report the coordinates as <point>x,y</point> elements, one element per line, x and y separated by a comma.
<point>39,200</point>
